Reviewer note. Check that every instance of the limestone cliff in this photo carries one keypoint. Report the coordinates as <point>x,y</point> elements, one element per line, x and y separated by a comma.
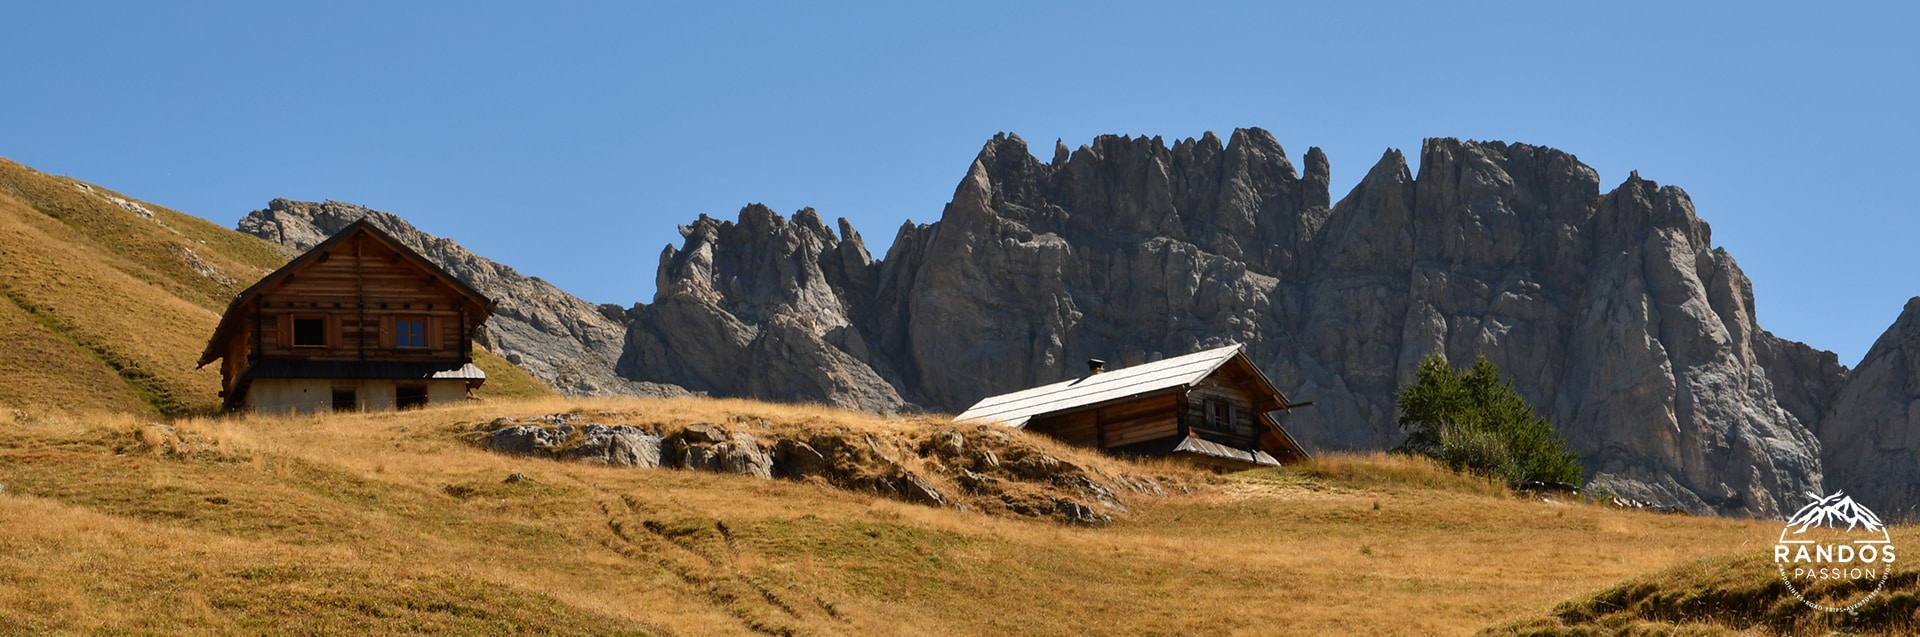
<point>767,309</point>
<point>566,342</point>
<point>1613,311</point>
<point>1871,437</point>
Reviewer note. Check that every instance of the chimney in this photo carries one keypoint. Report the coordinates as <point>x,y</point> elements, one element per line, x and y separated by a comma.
<point>1095,366</point>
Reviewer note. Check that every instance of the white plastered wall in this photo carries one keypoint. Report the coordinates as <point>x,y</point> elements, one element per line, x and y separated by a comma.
<point>305,396</point>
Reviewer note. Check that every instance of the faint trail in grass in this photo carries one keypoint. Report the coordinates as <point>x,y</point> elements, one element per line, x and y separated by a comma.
<point>698,551</point>
<point>143,383</point>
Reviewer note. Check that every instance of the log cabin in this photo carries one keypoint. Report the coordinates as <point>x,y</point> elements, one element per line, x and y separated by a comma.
<point>1213,408</point>
<point>360,322</point>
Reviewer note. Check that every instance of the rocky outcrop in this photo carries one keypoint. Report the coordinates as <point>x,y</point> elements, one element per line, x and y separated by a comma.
<point>568,343</point>
<point>1613,311</point>
<point>952,467</point>
<point>1871,438</point>
<point>765,308</point>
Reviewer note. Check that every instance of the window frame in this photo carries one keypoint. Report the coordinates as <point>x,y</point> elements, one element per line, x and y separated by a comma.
<point>352,395</point>
<point>400,335</point>
<point>425,395</point>
<point>293,331</point>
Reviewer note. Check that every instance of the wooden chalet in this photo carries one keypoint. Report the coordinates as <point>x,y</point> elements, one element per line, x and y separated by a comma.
<point>360,322</point>
<point>1212,407</point>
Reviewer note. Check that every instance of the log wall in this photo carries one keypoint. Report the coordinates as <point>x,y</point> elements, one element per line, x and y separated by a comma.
<point>360,290</point>
<point>1120,424</point>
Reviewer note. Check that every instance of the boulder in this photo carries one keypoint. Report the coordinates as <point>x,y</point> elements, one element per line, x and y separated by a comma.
<point>916,489</point>
<point>742,454</point>
<point>619,446</point>
<point>797,460</point>
<point>525,439</point>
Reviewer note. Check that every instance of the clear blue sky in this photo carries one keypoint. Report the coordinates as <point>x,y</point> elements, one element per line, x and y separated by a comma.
<point>568,139</point>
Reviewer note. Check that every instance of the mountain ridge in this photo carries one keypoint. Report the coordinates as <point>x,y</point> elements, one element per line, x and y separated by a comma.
<point>1610,309</point>
<point>1607,307</point>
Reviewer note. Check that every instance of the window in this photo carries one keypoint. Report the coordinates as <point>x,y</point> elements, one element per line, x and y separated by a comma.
<point>406,396</point>
<point>410,332</point>
<point>1224,416</point>
<point>309,331</point>
<point>344,399</point>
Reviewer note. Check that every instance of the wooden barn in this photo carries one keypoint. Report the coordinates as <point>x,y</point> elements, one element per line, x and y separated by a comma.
<point>360,322</point>
<point>1212,407</point>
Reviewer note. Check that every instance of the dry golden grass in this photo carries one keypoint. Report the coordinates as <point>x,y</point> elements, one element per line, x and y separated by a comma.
<point>44,368</point>
<point>389,522</point>
<point>505,381</point>
<point>1738,594</point>
<point>106,289</point>
<point>102,307</point>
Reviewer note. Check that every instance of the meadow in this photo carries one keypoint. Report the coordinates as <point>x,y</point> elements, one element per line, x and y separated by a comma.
<point>396,522</point>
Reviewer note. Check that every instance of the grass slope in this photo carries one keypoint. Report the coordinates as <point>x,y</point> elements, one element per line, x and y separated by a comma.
<point>506,381</point>
<point>136,297</point>
<point>392,523</point>
<point>106,302</point>
<point>1738,594</point>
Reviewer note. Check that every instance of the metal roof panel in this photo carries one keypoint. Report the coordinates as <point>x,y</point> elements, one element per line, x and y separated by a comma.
<point>1017,408</point>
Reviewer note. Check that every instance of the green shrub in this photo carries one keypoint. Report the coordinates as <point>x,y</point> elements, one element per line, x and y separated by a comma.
<point>1474,421</point>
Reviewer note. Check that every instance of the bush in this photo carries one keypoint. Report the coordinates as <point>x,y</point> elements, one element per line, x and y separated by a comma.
<point>1474,421</point>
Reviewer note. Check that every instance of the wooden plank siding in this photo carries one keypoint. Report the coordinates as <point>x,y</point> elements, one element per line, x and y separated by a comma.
<point>358,288</point>
<point>1115,425</point>
<point>1222,413</point>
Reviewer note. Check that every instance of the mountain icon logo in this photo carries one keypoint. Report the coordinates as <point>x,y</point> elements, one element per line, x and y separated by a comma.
<point>1830,512</point>
<point>1832,549</point>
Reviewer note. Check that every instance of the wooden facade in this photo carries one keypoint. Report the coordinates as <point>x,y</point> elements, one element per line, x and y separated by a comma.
<point>1212,407</point>
<point>358,322</point>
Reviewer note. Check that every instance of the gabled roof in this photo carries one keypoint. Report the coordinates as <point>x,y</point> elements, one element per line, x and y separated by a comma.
<point>230,319</point>
<point>1015,409</point>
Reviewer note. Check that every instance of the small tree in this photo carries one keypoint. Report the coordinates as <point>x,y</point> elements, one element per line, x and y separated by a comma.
<point>1474,421</point>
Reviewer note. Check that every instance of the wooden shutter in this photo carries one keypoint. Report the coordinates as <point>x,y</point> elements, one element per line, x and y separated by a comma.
<point>333,332</point>
<point>434,339</point>
<point>284,331</point>
<point>386,332</point>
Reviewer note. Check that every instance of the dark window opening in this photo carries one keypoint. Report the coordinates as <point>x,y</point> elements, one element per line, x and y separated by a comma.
<point>309,332</point>
<point>410,333</point>
<point>406,396</point>
<point>345,400</point>
<point>1222,417</point>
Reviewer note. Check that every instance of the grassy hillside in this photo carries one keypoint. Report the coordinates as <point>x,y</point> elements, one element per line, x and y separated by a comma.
<point>106,302</point>
<point>112,307</point>
<point>393,522</point>
<point>1737,594</point>
<point>506,381</point>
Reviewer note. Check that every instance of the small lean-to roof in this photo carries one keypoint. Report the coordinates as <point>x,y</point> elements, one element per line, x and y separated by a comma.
<point>1213,451</point>
<point>1015,409</point>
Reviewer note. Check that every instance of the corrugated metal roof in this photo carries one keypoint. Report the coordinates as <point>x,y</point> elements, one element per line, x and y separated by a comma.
<point>1199,447</point>
<point>1015,409</point>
